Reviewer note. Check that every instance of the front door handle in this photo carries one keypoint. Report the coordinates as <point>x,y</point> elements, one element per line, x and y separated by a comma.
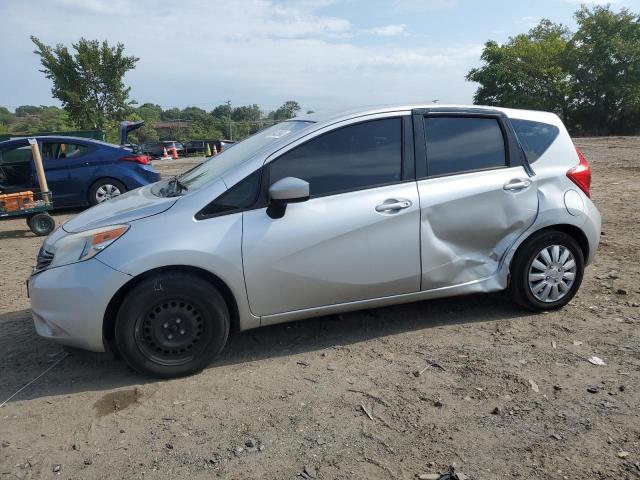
<point>517,184</point>
<point>393,205</point>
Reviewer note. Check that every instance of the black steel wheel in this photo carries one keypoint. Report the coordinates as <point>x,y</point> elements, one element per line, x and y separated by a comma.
<point>171,324</point>
<point>42,224</point>
<point>171,332</point>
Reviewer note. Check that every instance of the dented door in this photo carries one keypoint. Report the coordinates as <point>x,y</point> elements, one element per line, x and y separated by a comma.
<point>469,221</point>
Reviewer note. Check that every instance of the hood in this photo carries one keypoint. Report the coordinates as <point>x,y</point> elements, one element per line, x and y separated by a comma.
<point>131,206</point>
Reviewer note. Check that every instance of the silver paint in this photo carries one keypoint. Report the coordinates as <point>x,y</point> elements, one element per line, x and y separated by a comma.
<point>400,243</point>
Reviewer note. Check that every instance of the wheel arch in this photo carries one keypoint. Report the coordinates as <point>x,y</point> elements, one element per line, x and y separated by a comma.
<point>574,232</point>
<point>111,312</point>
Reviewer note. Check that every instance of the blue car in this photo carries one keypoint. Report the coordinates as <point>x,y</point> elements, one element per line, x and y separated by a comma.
<point>79,171</point>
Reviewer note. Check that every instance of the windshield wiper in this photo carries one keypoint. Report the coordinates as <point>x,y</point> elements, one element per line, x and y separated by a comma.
<point>175,187</point>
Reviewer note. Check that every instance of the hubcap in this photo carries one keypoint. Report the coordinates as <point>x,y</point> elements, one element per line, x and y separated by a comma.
<point>42,224</point>
<point>106,191</point>
<point>171,332</point>
<point>552,273</point>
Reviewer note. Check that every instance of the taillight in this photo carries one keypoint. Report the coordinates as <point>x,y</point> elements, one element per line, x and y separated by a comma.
<point>581,174</point>
<point>143,159</point>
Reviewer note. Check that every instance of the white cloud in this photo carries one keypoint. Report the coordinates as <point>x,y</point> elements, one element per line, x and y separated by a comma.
<point>103,7</point>
<point>592,2</point>
<point>261,51</point>
<point>529,21</point>
<point>389,30</point>
<point>423,5</point>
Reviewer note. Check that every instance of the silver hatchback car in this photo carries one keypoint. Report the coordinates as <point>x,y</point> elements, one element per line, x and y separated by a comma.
<point>319,215</point>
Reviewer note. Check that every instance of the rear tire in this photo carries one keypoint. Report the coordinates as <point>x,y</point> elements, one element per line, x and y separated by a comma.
<point>546,271</point>
<point>105,189</point>
<point>42,224</point>
<point>171,325</point>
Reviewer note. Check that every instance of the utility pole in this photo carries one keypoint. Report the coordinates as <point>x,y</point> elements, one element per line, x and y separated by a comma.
<point>230,124</point>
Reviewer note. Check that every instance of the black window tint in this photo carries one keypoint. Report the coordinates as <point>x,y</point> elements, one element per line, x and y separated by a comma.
<point>242,195</point>
<point>355,157</point>
<point>535,137</point>
<point>463,144</point>
<point>15,166</point>
<point>16,155</point>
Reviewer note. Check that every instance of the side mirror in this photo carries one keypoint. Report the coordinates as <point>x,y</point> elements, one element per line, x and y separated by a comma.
<point>285,191</point>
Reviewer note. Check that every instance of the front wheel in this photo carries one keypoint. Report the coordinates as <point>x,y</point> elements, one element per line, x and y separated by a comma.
<point>546,271</point>
<point>172,324</point>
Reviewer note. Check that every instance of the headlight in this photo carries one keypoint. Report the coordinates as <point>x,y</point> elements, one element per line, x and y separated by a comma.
<point>77,247</point>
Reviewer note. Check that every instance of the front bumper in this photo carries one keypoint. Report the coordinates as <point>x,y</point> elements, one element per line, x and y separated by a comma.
<point>68,303</point>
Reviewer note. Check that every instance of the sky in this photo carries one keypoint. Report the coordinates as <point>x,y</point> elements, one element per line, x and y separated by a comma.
<point>326,54</point>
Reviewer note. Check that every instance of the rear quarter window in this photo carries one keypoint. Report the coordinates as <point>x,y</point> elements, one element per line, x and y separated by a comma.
<point>535,137</point>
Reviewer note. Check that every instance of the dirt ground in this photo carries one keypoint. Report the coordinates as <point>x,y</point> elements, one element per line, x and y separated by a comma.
<point>473,381</point>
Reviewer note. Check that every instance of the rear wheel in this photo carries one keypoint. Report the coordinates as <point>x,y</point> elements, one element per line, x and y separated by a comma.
<point>547,271</point>
<point>42,224</point>
<point>171,325</point>
<point>105,189</point>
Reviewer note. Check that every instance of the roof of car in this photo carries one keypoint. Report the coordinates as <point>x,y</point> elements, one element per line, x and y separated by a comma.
<point>337,115</point>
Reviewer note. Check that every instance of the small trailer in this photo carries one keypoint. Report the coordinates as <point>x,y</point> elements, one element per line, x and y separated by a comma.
<point>32,205</point>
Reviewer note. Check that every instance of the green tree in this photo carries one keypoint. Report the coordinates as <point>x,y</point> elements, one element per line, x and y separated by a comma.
<point>171,114</point>
<point>287,110</point>
<point>28,110</point>
<point>32,119</point>
<point>6,117</point>
<point>591,77</point>
<point>246,113</point>
<point>89,82</point>
<point>604,60</point>
<point>150,112</point>
<point>222,111</point>
<point>526,72</point>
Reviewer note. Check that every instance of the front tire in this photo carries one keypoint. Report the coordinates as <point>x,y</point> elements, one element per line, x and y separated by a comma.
<point>546,271</point>
<point>171,325</point>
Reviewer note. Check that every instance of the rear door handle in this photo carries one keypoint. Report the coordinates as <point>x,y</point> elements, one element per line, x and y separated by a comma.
<point>393,205</point>
<point>517,184</point>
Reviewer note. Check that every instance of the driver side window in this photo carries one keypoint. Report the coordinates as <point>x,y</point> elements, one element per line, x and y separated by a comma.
<point>355,157</point>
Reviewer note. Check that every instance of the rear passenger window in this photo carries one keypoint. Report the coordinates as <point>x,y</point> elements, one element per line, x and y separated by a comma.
<point>535,137</point>
<point>463,144</point>
<point>355,157</point>
<point>62,150</point>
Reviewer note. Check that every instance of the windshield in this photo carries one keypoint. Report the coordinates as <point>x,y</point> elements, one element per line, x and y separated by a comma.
<point>230,158</point>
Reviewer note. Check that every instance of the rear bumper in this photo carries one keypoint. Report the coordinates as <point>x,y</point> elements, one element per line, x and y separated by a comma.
<point>148,173</point>
<point>68,303</point>
<point>592,227</point>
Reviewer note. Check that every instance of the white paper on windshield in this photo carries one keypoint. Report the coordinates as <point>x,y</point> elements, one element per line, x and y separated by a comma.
<point>278,134</point>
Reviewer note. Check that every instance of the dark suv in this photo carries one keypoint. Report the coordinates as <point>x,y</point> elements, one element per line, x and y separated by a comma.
<point>200,146</point>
